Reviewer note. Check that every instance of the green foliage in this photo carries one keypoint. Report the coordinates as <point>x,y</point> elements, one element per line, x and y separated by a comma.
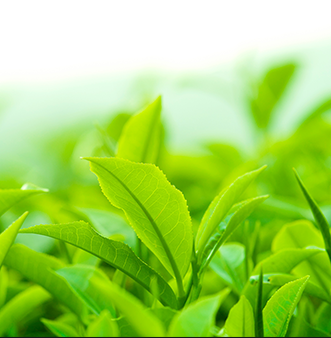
<point>190,247</point>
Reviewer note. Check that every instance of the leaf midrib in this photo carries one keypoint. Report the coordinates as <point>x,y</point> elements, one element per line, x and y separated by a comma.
<point>151,220</point>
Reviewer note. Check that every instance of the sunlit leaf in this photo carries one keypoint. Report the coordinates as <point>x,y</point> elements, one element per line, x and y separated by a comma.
<point>103,326</point>
<point>279,309</point>
<point>115,253</point>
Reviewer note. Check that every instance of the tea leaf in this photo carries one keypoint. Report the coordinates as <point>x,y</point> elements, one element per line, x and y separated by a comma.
<point>280,307</point>
<point>140,138</point>
<point>259,326</point>
<point>20,306</point>
<point>221,205</point>
<point>60,329</point>
<point>240,322</point>
<point>7,238</point>
<point>38,268</point>
<point>115,253</point>
<point>103,326</point>
<point>9,197</point>
<point>156,210</point>
<point>318,215</point>
<point>198,318</point>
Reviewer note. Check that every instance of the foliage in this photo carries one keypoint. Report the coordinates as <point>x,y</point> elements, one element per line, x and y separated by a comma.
<point>164,244</point>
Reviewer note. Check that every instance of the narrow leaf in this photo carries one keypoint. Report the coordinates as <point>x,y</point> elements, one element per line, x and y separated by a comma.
<point>156,210</point>
<point>280,307</point>
<point>7,238</point>
<point>140,138</point>
<point>115,253</point>
<point>318,215</point>
<point>221,205</point>
<point>240,322</point>
<point>259,306</point>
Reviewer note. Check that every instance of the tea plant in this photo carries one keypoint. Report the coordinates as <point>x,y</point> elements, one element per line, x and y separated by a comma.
<point>139,260</point>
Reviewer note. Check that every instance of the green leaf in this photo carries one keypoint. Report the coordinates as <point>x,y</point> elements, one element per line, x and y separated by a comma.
<point>20,306</point>
<point>220,206</point>
<point>245,209</point>
<point>60,329</point>
<point>229,264</point>
<point>318,215</point>
<point>302,234</point>
<point>103,326</point>
<point>7,238</point>
<point>140,138</point>
<point>198,318</point>
<point>156,210</point>
<point>115,253</point>
<point>4,278</point>
<point>135,312</point>
<point>259,326</point>
<point>311,288</point>
<point>300,328</point>
<point>82,279</point>
<point>280,307</point>
<point>284,262</point>
<point>240,321</point>
<point>9,197</point>
<point>38,268</point>
<point>269,92</point>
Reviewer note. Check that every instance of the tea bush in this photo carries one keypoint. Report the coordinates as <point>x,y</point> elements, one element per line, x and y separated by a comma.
<point>163,244</point>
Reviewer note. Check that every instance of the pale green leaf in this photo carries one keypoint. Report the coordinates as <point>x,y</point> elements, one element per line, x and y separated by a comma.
<point>103,326</point>
<point>240,321</point>
<point>198,318</point>
<point>115,253</point>
<point>38,267</point>
<point>20,306</point>
<point>140,138</point>
<point>9,197</point>
<point>301,234</point>
<point>4,279</point>
<point>221,205</point>
<point>7,238</point>
<point>156,210</point>
<point>60,329</point>
<point>135,312</point>
<point>280,307</point>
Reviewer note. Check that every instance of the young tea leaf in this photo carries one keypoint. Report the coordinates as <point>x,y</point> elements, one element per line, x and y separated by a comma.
<point>280,307</point>
<point>103,326</point>
<point>156,210</point>
<point>7,238</point>
<point>140,138</point>
<point>318,215</point>
<point>240,322</point>
<point>60,329</point>
<point>220,206</point>
<point>115,253</point>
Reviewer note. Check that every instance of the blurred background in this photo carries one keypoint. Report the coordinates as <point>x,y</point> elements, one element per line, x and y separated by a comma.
<point>242,83</point>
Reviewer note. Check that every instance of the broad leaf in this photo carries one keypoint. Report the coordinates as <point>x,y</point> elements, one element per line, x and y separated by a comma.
<point>103,326</point>
<point>156,210</point>
<point>221,205</point>
<point>115,253</point>
<point>198,318</point>
<point>7,238</point>
<point>319,217</point>
<point>301,234</point>
<point>20,306</point>
<point>240,321</point>
<point>140,138</point>
<point>279,309</point>
<point>60,329</point>
<point>38,267</point>
<point>9,197</point>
